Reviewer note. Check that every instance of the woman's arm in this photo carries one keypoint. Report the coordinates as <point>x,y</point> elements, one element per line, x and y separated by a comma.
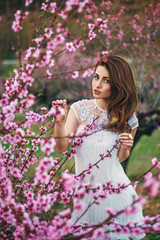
<point>63,129</point>
<point>126,144</point>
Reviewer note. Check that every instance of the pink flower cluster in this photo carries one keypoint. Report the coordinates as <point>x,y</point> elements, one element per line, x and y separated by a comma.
<point>47,146</point>
<point>16,25</point>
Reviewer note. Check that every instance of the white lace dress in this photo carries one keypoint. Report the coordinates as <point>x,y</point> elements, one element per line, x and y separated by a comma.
<point>110,169</point>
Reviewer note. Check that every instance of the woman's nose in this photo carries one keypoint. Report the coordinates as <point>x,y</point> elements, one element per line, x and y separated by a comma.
<point>98,84</point>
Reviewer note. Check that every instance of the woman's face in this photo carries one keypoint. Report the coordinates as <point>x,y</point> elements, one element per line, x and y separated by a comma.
<point>101,87</point>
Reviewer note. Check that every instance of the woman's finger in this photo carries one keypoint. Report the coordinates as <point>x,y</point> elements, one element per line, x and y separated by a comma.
<point>60,102</point>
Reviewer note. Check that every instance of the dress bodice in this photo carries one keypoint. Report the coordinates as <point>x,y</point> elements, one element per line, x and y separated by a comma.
<point>98,140</point>
<point>88,112</point>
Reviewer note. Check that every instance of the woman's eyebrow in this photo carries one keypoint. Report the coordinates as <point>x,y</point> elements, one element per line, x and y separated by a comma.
<point>103,77</point>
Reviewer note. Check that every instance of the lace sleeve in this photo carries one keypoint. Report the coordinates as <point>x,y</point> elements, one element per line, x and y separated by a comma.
<point>133,121</point>
<point>82,110</point>
<point>76,108</point>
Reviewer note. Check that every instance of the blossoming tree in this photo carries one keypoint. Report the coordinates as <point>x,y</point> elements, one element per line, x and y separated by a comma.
<point>39,206</point>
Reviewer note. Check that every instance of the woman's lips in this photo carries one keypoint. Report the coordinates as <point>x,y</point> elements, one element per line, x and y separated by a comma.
<point>96,91</point>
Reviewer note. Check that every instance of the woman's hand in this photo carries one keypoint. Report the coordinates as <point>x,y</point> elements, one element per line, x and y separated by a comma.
<point>61,107</point>
<point>126,140</point>
<point>64,126</point>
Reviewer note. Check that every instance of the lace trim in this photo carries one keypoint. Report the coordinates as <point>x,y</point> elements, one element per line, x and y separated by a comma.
<point>84,110</point>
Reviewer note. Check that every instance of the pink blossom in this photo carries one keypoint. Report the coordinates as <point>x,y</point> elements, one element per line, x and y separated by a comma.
<point>11,108</point>
<point>154,161</point>
<point>64,197</point>
<point>44,7</point>
<point>98,233</point>
<point>29,52</point>
<point>110,211</point>
<point>51,63</point>
<point>48,33</point>
<point>59,28</point>
<point>3,102</point>
<point>131,210</point>
<point>43,109</point>
<point>16,27</point>
<point>142,200</point>
<point>148,175</point>
<point>70,3</point>
<point>47,146</point>
<point>24,76</point>
<point>70,47</point>
<point>30,68</point>
<point>30,100</point>
<point>33,117</point>
<point>91,26</point>
<point>137,231</point>
<point>99,20</point>
<point>79,205</point>
<point>75,74</point>
<point>53,6</point>
<point>149,23</point>
<point>103,26</point>
<point>156,227</point>
<point>59,39</point>
<point>63,15</point>
<point>87,73</point>
<point>51,44</point>
<point>36,53</point>
<point>120,35</point>
<point>20,132</point>
<point>25,15</point>
<point>155,85</point>
<point>125,230</point>
<point>8,118</point>
<point>152,186</point>
<point>28,2</point>
<point>41,174</point>
<point>69,181</point>
<point>35,141</point>
<point>81,5</point>
<point>38,41</point>
<point>91,35</point>
<point>49,74</point>
<point>43,129</point>
<point>52,112</point>
<point>47,57</point>
<point>79,44</point>
<point>16,173</point>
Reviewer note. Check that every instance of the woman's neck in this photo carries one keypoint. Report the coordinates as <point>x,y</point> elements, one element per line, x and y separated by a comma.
<point>103,103</point>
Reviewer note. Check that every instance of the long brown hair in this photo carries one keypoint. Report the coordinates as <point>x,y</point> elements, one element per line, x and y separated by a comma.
<point>124,95</point>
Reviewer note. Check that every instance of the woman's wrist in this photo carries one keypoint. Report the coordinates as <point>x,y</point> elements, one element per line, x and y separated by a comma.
<point>59,124</point>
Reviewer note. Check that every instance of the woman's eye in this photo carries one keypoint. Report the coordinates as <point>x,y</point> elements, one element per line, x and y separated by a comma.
<point>106,81</point>
<point>95,77</point>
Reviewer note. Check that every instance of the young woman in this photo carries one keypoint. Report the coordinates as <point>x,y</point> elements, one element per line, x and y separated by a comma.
<point>112,113</point>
